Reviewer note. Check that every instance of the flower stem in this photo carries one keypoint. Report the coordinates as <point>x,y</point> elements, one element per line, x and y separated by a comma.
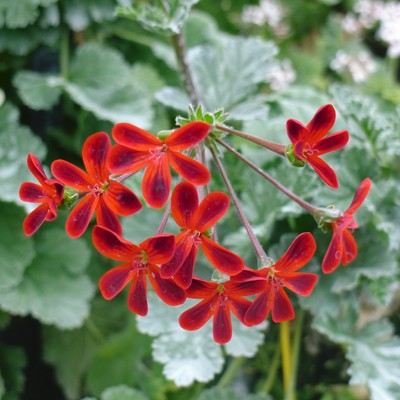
<point>273,369</point>
<point>285,348</point>
<point>230,372</point>
<point>302,203</point>
<point>275,147</point>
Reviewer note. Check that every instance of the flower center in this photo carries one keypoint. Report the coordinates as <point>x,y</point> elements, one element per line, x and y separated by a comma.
<point>196,238</point>
<point>158,152</point>
<point>309,150</point>
<point>99,189</point>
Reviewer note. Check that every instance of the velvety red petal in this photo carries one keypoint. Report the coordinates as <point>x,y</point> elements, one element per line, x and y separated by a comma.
<point>137,297</point>
<point>359,196</point>
<point>184,203</point>
<point>249,274</point>
<point>188,135</point>
<point>324,171</point>
<point>167,290</point>
<point>298,149</point>
<point>222,324</point>
<point>94,154</point>
<point>183,277</point>
<point>246,288</point>
<point>260,308</point>
<point>282,309</point>
<point>121,199</point>
<point>51,214</point>
<point>197,316</point>
<point>32,193</point>
<point>350,249</point>
<point>239,307</point>
<point>334,253</point>
<point>159,249</point>
<point>156,183</point>
<point>131,136</point>
<point>111,245</point>
<point>106,217</point>
<point>223,259</point>
<point>79,218</point>
<point>36,168</point>
<point>321,123</point>
<point>213,207</point>
<point>301,283</point>
<point>298,254</point>
<point>333,142</point>
<point>189,169</point>
<point>113,281</point>
<point>296,130</point>
<point>71,175</point>
<point>122,160</point>
<point>200,289</point>
<point>35,219</point>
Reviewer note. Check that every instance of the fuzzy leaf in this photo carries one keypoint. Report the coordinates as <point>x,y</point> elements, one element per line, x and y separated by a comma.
<point>122,392</point>
<point>230,394</point>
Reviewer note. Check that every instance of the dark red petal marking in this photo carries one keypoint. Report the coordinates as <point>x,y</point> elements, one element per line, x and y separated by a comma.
<point>94,154</point>
<point>36,168</point>
<point>111,245</point>
<point>282,309</point>
<point>79,218</point>
<point>296,130</point>
<point>334,253</point>
<point>223,259</point>
<point>350,249</point>
<point>333,142</point>
<point>260,308</point>
<point>123,160</point>
<point>249,274</point>
<point>106,217</point>
<point>246,288</point>
<point>114,280</point>
<point>321,123</point>
<point>35,219</point>
<point>188,135</point>
<point>137,297</point>
<point>189,169</point>
<point>32,193</point>
<point>324,171</point>
<point>298,149</point>
<point>213,207</point>
<point>183,277</point>
<point>121,199</point>
<point>222,324</point>
<point>301,283</point>
<point>71,175</point>
<point>184,203</point>
<point>239,306</point>
<point>197,316</point>
<point>200,289</point>
<point>131,136</point>
<point>359,196</point>
<point>159,249</point>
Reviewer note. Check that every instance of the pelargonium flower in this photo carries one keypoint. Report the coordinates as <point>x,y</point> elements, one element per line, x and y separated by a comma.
<point>343,247</point>
<point>49,193</point>
<point>282,274</point>
<point>309,142</point>
<point>139,262</point>
<point>139,149</point>
<point>196,220</point>
<point>101,195</point>
<point>218,301</point>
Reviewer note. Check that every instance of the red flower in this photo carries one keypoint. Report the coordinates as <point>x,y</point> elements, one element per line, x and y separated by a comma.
<point>309,142</point>
<point>108,198</point>
<point>48,194</point>
<point>139,149</point>
<point>280,275</point>
<point>140,261</point>
<point>343,247</point>
<point>196,220</point>
<point>219,300</point>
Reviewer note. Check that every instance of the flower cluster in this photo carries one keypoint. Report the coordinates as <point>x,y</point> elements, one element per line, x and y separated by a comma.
<point>168,261</point>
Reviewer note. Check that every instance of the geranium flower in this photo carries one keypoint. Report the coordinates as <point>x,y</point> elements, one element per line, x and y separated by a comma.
<point>343,247</point>
<point>107,197</point>
<point>49,193</point>
<point>139,149</point>
<point>309,142</point>
<point>282,274</point>
<point>139,262</point>
<point>218,301</point>
<point>195,220</point>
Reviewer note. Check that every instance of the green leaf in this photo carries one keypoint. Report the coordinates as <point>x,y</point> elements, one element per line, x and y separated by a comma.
<point>17,250</point>
<point>37,91</point>
<point>18,14</point>
<point>122,392</point>
<point>230,394</point>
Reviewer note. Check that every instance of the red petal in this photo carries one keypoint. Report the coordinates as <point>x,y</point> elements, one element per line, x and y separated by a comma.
<point>222,324</point>
<point>188,135</point>
<point>200,289</point>
<point>167,290</point>
<point>32,193</point>
<point>296,130</point>
<point>197,316</point>
<point>184,203</point>
<point>246,288</point>
<point>112,245</point>
<point>189,169</point>
<point>359,196</point>
<point>282,309</point>
<point>36,168</point>
<point>324,171</point>
<point>94,155</point>
<point>113,281</point>
<point>223,259</point>
<point>211,210</point>
<point>124,160</point>
<point>349,248</point>
<point>333,142</point>
<point>106,217</point>
<point>183,277</point>
<point>159,249</point>
<point>135,138</point>
<point>239,307</point>
<point>121,199</point>
<point>321,123</point>
<point>71,175</point>
<point>301,283</point>
<point>35,219</point>
<point>156,183</point>
<point>137,297</point>
<point>260,308</point>
<point>298,254</point>
<point>79,218</point>
<point>251,275</point>
<point>334,253</point>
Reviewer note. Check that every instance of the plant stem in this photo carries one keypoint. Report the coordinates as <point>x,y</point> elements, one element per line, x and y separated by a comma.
<point>285,348</point>
<point>275,147</point>
<point>94,331</point>
<point>164,220</point>
<point>302,203</point>
<point>273,369</point>
<point>230,372</point>
<point>262,256</point>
